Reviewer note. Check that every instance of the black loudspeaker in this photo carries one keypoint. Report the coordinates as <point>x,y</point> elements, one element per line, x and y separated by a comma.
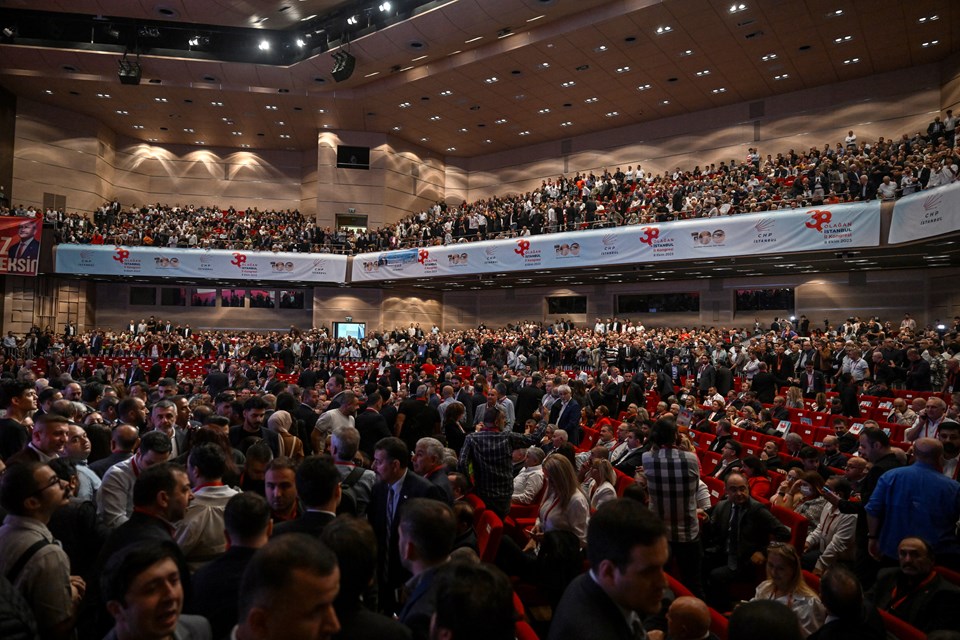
<point>129,72</point>
<point>343,67</point>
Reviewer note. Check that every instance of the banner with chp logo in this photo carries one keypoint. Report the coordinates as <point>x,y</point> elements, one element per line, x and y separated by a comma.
<point>926,214</point>
<point>773,232</point>
<point>199,263</point>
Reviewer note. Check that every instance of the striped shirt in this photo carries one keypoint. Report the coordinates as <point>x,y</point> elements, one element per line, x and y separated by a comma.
<point>672,479</point>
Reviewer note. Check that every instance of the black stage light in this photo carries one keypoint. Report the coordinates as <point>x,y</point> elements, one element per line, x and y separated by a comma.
<point>343,68</point>
<point>129,72</point>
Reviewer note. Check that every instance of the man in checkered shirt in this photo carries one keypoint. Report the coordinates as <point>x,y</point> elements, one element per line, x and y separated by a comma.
<point>673,476</point>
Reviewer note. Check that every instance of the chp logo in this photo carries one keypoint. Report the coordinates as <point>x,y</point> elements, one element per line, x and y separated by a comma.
<point>490,255</point>
<point>609,243</point>
<point>764,231</point>
<point>931,209</point>
<point>490,251</point>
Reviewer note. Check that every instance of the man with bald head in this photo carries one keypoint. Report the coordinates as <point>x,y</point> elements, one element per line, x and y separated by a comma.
<point>688,618</point>
<point>123,442</point>
<point>917,500</point>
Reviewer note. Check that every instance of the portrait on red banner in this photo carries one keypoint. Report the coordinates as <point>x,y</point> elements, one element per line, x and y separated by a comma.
<point>19,245</point>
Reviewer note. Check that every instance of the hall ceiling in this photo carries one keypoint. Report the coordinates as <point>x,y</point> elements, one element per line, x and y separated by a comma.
<point>567,67</point>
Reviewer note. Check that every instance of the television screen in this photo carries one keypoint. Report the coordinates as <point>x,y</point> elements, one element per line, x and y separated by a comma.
<point>349,330</point>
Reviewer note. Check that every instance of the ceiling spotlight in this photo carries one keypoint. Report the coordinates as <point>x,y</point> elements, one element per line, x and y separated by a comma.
<point>385,6</point>
<point>194,41</point>
<point>663,30</point>
<point>301,43</point>
<point>264,45</point>
<point>352,20</point>
<point>736,8</point>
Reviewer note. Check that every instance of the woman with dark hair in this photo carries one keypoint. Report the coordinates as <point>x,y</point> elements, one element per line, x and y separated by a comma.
<point>452,429</point>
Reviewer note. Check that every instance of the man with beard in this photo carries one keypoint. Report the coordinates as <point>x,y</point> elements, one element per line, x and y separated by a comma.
<point>949,436</point>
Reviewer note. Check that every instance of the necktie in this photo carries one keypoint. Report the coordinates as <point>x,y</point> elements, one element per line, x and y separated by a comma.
<point>733,538</point>
<point>391,500</point>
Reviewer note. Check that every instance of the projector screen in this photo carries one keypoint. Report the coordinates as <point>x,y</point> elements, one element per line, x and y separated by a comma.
<point>349,330</point>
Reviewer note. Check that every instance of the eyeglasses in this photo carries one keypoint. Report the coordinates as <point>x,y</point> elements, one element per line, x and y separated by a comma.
<point>54,481</point>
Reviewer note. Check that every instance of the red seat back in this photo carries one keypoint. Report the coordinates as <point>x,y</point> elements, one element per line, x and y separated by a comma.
<point>899,628</point>
<point>489,529</point>
<point>797,523</point>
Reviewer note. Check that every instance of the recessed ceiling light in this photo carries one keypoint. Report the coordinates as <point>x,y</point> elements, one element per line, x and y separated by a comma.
<point>285,136</point>
<point>524,133</point>
<point>591,100</point>
<point>122,112</point>
<point>487,141</point>
<point>281,123</point>
<point>463,130</point>
<point>543,111</point>
<point>424,139</point>
<point>567,84</point>
<point>782,76</point>
<point>737,8</point>
<point>103,95</point>
<point>403,105</point>
<point>601,48</point>
<point>842,39</point>
<point>612,114</point>
<point>643,87</point>
<point>237,133</point>
<point>138,126</point>
<point>719,90</point>
<point>215,103</point>
<point>930,44</point>
<point>566,124</point>
<point>686,53</point>
<point>473,40</point>
<point>245,146</point>
<point>272,107</point>
<point>434,118</point>
<point>48,92</point>
<point>492,79</point>
<point>704,72</point>
<point>543,65</point>
<point>500,121</point>
<point>534,19</point>
<point>396,128</point>
<point>926,19</point>
<point>451,148</point>
<point>153,139</point>
<point>418,59</point>
<point>446,92</point>
<point>200,142</point>
<point>838,12</point>
<point>664,29</point>
<point>769,57</point>
<point>623,69</point>
<point>664,102</point>
<point>851,61</point>
<point>188,130</point>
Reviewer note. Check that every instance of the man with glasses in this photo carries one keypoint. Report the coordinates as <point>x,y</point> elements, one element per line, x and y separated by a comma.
<point>29,556</point>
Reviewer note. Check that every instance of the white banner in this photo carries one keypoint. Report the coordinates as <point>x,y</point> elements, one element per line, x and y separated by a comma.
<point>774,232</point>
<point>926,214</point>
<point>213,264</point>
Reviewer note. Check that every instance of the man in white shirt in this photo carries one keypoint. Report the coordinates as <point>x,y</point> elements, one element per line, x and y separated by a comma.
<point>115,499</point>
<point>529,482</point>
<point>200,533</point>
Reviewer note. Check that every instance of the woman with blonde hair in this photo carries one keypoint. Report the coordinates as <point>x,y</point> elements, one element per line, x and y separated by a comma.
<point>794,398</point>
<point>785,584</point>
<point>564,507</point>
<point>290,445</point>
<point>602,487</point>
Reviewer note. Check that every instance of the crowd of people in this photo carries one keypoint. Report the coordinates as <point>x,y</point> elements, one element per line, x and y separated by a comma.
<point>849,170</point>
<point>284,476</point>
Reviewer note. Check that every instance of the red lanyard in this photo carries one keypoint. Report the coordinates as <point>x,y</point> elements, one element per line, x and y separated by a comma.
<point>894,602</point>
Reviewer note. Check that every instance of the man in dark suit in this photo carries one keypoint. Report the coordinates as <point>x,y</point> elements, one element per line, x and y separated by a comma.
<point>528,398</point>
<point>764,384</point>
<point>724,435</point>
<point>318,487</point>
<point>49,437</point>
<point>914,591</point>
<point>27,248</point>
<point>565,413</point>
<point>355,545</point>
<point>216,586</point>
<point>427,531</point>
<point>739,531</point>
<point>729,460</point>
<point>706,376</point>
<point>811,381</point>
<point>398,484</point>
<point>216,380</point>
<point>428,463</point>
<point>627,548</point>
<point>123,442</point>
<point>848,616</point>
<point>632,457</point>
<point>371,423</point>
<point>254,410</point>
<point>135,374</point>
